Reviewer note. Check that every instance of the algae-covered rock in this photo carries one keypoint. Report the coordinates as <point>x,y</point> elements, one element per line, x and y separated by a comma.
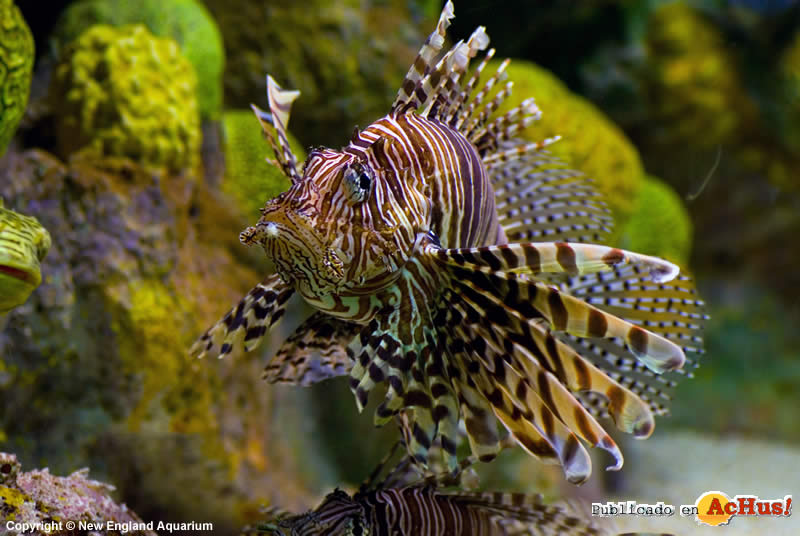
<point>187,22</point>
<point>691,84</point>
<point>40,499</point>
<point>347,58</point>
<point>94,367</point>
<point>590,142</point>
<point>16,66</point>
<point>660,224</point>
<point>23,245</point>
<point>124,92</point>
<point>249,179</point>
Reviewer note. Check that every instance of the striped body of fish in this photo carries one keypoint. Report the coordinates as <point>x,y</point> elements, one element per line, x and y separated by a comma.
<point>23,245</point>
<point>417,244</point>
<point>425,511</point>
<point>406,503</point>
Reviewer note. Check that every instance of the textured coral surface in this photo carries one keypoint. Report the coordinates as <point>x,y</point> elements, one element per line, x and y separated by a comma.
<point>124,92</point>
<point>16,65</point>
<point>187,22</point>
<point>38,497</point>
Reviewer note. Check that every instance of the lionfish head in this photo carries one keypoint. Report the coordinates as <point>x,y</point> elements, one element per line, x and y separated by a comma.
<point>327,233</point>
<point>339,514</point>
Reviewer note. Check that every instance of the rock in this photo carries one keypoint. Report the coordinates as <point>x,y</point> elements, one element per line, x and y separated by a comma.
<point>16,68</point>
<point>40,498</point>
<point>94,368</point>
<point>187,22</point>
<point>124,92</point>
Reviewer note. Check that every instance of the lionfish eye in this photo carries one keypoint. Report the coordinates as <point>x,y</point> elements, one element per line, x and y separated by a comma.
<point>358,183</point>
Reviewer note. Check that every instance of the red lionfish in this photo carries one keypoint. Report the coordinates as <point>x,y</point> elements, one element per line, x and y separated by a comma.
<point>405,503</point>
<point>415,244</point>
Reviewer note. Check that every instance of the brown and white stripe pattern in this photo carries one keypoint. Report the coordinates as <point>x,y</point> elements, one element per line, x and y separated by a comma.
<point>401,241</point>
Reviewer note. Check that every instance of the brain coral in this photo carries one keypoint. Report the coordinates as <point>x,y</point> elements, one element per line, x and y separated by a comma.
<point>16,64</point>
<point>124,92</point>
<point>185,21</point>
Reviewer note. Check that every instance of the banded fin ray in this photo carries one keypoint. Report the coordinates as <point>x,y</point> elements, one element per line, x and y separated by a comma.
<point>244,326</point>
<point>671,309</point>
<point>534,258</point>
<point>316,351</point>
<point>416,377</point>
<point>407,94</point>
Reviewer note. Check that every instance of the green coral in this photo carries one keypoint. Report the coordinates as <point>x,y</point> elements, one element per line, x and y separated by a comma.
<point>692,85</point>
<point>187,22</point>
<point>16,66</point>
<point>660,224</point>
<point>590,141</point>
<point>249,179</point>
<point>124,92</point>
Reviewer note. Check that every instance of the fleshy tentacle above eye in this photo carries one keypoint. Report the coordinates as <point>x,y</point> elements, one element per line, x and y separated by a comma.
<point>280,104</point>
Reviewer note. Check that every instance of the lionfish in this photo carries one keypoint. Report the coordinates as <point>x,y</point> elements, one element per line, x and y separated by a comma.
<point>404,502</point>
<point>416,243</point>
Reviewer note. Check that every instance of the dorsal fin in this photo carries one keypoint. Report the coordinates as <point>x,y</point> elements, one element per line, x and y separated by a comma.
<point>280,103</point>
<point>408,93</point>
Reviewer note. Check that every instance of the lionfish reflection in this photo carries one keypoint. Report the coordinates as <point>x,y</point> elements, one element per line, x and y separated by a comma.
<point>402,242</point>
<point>432,505</point>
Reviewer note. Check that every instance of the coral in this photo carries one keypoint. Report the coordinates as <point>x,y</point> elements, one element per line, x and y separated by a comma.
<point>37,497</point>
<point>659,225</point>
<point>187,22</point>
<point>23,244</point>
<point>97,359</point>
<point>16,66</point>
<point>249,179</point>
<point>590,141</point>
<point>691,83</point>
<point>347,58</point>
<point>123,92</point>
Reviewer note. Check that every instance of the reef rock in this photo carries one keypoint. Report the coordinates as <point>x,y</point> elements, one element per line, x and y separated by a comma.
<point>39,499</point>
<point>94,368</point>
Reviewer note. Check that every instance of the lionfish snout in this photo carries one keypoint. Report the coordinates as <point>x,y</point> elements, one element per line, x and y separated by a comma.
<point>300,254</point>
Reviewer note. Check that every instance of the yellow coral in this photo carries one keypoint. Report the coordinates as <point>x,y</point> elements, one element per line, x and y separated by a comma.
<point>591,142</point>
<point>124,92</point>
